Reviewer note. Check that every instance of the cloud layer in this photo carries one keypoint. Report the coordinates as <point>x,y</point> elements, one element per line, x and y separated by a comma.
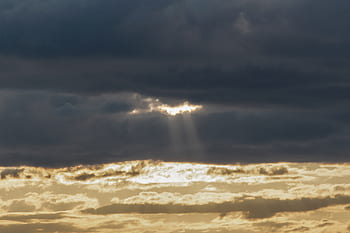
<point>272,77</point>
<point>156,196</point>
<point>59,129</point>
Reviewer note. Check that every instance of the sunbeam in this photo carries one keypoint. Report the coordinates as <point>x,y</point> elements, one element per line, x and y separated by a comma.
<point>194,144</point>
<point>176,139</point>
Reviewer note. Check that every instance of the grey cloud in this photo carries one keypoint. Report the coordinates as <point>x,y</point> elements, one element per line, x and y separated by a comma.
<point>262,171</point>
<point>12,173</point>
<point>41,227</point>
<point>180,38</point>
<point>114,225</point>
<point>216,231</point>
<point>269,126</point>
<point>127,28</point>
<point>274,226</point>
<point>63,206</point>
<point>290,58</point>
<point>299,229</point>
<point>115,107</point>
<point>45,128</point>
<point>254,209</point>
<point>30,217</point>
<point>243,85</point>
<point>325,224</point>
<point>134,170</point>
<point>34,120</point>
<point>20,206</point>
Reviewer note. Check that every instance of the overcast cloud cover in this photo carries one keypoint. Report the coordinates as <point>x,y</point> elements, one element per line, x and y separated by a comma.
<point>272,76</point>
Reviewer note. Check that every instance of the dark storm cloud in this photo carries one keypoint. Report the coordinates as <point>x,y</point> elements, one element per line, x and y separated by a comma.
<point>52,129</point>
<point>286,60</point>
<point>34,124</point>
<point>269,52</point>
<point>263,127</point>
<point>252,52</point>
<point>134,28</point>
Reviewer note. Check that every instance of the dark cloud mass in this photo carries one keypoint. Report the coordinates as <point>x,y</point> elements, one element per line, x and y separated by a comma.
<point>273,77</point>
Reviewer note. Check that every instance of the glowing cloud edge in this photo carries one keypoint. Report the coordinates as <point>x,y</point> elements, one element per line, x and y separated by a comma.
<point>156,106</point>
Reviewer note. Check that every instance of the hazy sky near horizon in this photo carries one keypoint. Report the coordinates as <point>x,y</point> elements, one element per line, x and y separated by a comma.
<point>79,81</point>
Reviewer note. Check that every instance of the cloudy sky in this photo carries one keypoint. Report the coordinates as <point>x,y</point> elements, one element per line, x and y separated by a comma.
<point>162,197</point>
<point>174,116</point>
<point>272,78</point>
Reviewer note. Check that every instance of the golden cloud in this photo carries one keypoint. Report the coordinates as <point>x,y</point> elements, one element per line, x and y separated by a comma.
<point>156,196</point>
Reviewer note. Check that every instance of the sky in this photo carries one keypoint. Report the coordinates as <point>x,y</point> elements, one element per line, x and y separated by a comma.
<point>79,81</point>
<point>174,116</point>
<point>161,197</point>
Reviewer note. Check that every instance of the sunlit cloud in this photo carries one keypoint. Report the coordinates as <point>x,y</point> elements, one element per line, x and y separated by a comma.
<point>141,196</point>
<point>182,128</point>
<point>155,105</point>
<point>179,109</point>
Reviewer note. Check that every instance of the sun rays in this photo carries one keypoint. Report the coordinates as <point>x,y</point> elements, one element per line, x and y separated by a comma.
<point>184,139</point>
